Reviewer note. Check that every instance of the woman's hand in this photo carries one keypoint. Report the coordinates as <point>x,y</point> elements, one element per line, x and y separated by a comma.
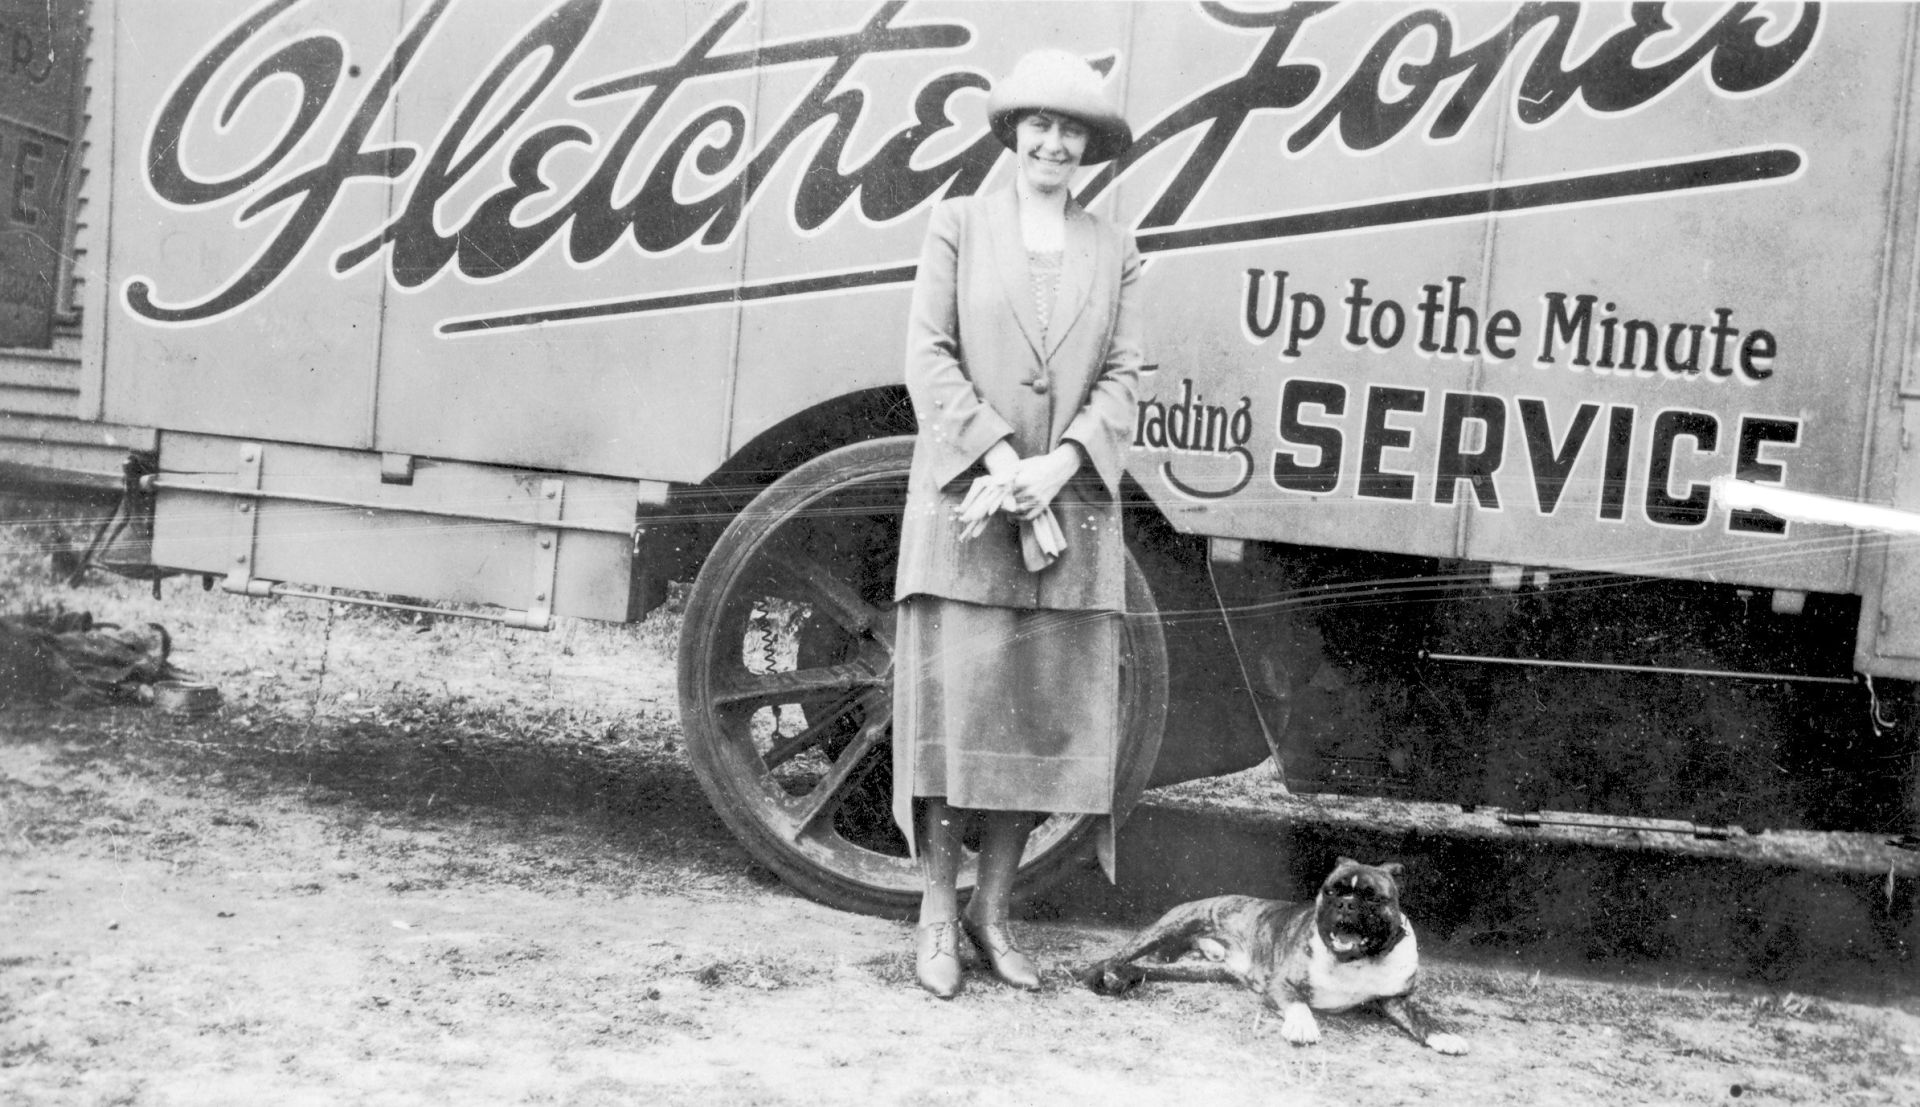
<point>990,493</point>
<point>1001,460</point>
<point>1037,480</point>
<point>1021,487</point>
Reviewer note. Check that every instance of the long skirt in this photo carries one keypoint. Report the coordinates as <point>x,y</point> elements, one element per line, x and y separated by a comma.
<point>1006,709</point>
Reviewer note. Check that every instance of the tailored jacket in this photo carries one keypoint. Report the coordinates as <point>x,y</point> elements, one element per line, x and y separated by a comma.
<point>979,370</point>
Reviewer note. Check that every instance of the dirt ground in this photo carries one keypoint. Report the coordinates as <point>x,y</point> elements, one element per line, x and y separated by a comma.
<point>440,862</point>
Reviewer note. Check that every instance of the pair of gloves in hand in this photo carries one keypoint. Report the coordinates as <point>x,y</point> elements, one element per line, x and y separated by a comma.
<point>1041,541</point>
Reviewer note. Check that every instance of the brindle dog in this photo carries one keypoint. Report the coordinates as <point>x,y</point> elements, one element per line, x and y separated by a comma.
<point>1349,947</point>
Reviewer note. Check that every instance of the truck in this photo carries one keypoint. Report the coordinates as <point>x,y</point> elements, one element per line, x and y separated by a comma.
<point>1489,347</point>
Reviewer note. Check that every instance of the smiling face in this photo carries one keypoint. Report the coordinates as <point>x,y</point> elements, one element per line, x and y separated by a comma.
<point>1050,147</point>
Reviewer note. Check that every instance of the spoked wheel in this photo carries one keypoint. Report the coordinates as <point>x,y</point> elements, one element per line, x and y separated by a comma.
<point>786,686</point>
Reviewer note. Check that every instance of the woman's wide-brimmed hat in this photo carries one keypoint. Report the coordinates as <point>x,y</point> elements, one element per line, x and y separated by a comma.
<point>1057,81</point>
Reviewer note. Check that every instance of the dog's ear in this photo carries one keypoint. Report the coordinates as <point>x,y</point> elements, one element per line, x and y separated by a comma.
<point>1395,870</point>
<point>1343,862</point>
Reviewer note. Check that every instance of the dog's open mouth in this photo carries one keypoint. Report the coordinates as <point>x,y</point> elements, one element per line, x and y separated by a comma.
<point>1342,944</point>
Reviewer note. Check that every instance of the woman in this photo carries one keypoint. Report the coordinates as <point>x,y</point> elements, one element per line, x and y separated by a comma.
<point>1023,359</point>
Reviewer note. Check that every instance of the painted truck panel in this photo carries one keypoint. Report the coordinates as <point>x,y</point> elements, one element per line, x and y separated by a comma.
<point>301,366</point>
<point>1732,212</point>
<point>1793,263</point>
<point>622,394</point>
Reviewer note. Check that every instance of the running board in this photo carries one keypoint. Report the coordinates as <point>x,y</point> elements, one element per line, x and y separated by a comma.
<point>1265,801</point>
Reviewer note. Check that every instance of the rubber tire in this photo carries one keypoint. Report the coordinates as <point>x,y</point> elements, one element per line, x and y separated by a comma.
<point>827,867</point>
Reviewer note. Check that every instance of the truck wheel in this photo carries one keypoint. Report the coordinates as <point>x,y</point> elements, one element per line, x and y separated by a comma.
<point>786,686</point>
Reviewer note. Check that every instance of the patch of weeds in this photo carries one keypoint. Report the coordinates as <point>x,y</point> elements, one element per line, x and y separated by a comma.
<point>529,953</point>
<point>238,1025</point>
<point>160,842</point>
<point>15,1054</point>
<point>649,1023</point>
<point>1791,1006</point>
<point>892,969</point>
<point>49,815</point>
<point>1501,985</point>
<point>404,884</point>
<point>762,973</point>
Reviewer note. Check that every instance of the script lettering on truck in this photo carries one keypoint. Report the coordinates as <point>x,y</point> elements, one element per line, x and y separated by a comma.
<point>1416,80</point>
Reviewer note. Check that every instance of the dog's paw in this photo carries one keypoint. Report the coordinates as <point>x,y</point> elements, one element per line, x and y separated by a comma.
<point>1453,1045</point>
<point>1299,1026</point>
<point>1108,979</point>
